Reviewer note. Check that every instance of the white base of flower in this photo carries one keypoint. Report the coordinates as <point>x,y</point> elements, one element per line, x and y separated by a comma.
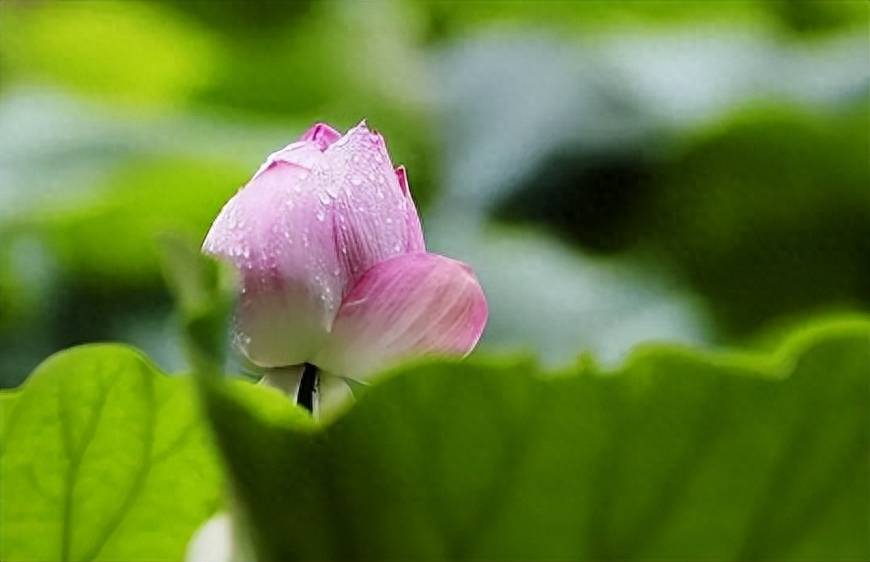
<point>216,541</point>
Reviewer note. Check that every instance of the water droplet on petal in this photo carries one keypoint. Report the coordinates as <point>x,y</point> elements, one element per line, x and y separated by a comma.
<point>356,180</point>
<point>321,216</point>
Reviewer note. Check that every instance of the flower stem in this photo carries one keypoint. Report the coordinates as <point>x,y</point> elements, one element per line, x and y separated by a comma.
<point>308,387</point>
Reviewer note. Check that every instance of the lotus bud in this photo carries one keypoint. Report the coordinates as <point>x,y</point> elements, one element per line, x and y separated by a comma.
<point>333,266</point>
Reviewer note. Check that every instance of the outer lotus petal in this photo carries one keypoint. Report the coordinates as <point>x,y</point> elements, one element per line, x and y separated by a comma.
<point>276,233</point>
<point>412,219</point>
<point>410,305</point>
<point>304,154</point>
<point>322,134</point>
<point>373,218</point>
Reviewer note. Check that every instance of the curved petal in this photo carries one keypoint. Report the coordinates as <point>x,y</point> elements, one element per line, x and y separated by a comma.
<point>275,232</point>
<point>322,134</point>
<point>407,306</point>
<point>302,154</point>
<point>412,219</point>
<point>373,219</point>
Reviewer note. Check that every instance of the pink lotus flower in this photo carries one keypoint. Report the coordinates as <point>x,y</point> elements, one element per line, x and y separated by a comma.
<point>334,270</point>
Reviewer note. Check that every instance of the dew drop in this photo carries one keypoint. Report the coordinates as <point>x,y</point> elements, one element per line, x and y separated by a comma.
<point>325,198</point>
<point>321,216</point>
<point>356,180</point>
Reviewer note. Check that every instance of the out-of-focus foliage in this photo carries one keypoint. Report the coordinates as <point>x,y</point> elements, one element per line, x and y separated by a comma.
<point>769,214</point>
<point>674,456</point>
<point>103,458</point>
<point>766,213</point>
<point>127,52</point>
<point>111,240</point>
<point>205,293</point>
<point>601,16</point>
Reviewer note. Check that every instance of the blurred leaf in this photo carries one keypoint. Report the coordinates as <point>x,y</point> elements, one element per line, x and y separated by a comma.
<point>103,458</point>
<point>113,238</point>
<point>600,16</point>
<point>138,53</point>
<point>768,214</point>
<point>233,17</point>
<point>676,456</point>
<point>204,290</point>
<point>810,16</point>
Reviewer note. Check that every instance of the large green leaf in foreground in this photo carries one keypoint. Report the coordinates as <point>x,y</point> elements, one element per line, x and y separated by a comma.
<point>676,456</point>
<point>103,458</point>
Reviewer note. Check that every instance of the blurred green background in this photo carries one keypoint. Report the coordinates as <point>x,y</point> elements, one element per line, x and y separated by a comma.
<point>614,172</point>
